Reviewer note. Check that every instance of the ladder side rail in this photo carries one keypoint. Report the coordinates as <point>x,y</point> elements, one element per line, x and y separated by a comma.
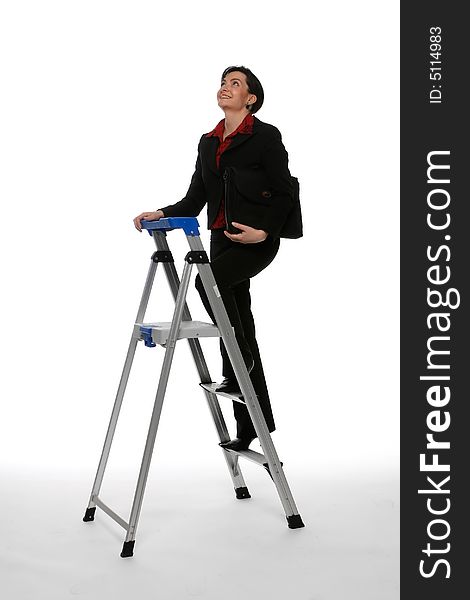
<point>198,356</point>
<point>201,365</point>
<point>157,409</point>
<point>122,386</point>
<point>244,381</point>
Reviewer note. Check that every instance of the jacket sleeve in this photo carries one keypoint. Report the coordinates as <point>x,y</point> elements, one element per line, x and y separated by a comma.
<point>195,199</point>
<point>274,160</point>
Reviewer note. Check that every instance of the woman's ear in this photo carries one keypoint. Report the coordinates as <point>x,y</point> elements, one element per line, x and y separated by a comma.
<point>251,100</point>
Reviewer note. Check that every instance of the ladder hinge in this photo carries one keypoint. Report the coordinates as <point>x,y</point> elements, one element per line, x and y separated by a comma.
<point>196,257</point>
<point>146,335</point>
<point>162,256</point>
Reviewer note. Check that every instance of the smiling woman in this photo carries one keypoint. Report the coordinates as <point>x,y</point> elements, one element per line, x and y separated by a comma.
<point>238,250</point>
<point>239,90</point>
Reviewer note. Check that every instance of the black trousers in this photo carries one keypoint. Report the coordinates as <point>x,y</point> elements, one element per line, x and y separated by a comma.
<point>233,264</point>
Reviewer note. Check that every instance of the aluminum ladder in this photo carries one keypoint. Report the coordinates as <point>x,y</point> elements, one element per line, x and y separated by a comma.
<point>167,334</point>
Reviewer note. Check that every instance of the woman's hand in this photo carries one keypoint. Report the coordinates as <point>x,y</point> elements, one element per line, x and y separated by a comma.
<point>249,235</point>
<point>147,216</point>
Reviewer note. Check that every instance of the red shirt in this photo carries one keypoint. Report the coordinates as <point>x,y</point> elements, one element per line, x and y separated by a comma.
<point>246,126</point>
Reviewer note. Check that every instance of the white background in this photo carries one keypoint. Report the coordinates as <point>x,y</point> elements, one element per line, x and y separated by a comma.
<point>102,107</point>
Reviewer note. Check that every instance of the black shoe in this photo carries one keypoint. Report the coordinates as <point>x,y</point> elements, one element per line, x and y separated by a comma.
<point>237,444</point>
<point>230,384</point>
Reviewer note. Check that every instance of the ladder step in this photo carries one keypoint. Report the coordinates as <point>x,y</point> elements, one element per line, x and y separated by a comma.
<point>255,457</point>
<point>251,455</point>
<point>157,333</point>
<point>210,387</point>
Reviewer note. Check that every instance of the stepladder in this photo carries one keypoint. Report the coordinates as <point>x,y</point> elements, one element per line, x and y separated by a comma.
<point>166,334</point>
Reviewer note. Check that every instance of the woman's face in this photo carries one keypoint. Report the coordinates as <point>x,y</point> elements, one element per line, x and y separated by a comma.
<point>233,93</point>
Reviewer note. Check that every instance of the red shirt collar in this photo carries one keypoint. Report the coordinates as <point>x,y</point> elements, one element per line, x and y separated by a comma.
<point>246,126</point>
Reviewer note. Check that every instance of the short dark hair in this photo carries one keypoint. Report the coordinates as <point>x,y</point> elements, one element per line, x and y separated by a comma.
<point>253,83</point>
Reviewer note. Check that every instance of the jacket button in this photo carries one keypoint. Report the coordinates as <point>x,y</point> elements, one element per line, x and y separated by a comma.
<point>266,194</point>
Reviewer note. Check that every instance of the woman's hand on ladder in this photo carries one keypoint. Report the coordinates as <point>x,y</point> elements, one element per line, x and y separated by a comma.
<point>147,216</point>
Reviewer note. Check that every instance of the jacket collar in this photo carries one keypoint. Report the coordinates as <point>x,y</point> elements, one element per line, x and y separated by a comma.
<point>245,127</point>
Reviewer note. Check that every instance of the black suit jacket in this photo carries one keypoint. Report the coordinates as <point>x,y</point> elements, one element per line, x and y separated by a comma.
<point>263,148</point>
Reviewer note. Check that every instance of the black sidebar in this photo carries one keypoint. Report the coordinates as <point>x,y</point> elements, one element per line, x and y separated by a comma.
<point>435,299</point>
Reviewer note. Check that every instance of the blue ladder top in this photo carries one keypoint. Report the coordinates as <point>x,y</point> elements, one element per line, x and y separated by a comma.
<point>189,225</point>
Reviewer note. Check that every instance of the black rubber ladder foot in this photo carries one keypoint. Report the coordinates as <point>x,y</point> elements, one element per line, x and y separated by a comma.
<point>295,521</point>
<point>242,492</point>
<point>128,549</point>
<point>90,514</point>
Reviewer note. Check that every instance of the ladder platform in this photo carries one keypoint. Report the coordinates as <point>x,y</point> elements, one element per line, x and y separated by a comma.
<point>157,333</point>
<point>189,225</point>
<point>210,387</point>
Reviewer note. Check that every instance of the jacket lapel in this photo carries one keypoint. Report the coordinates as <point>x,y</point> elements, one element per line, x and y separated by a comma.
<point>210,145</point>
<point>238,140</point>
<point>241,138</point>
<point>208,151</point>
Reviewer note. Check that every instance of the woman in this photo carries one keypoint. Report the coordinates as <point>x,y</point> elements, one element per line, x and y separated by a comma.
<point>239,140</point>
